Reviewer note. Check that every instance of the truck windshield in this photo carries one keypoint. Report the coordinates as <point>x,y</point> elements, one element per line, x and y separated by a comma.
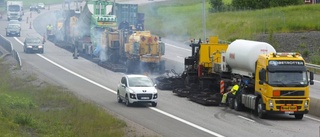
<point>14,8</point>
<point>284,79</point>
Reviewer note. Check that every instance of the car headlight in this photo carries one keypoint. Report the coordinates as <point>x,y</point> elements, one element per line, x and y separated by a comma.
<point>40,46</point>
<point>29,46</point>
<point>132,91</point>
<point>270,104</point>
<point>306,104</point>
<point>155,91</point>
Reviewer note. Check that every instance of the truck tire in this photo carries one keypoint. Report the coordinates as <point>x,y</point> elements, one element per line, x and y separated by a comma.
<point>298,116</point>
<point>237,104</point>
<point>259,109</point>
<point>231,103</point>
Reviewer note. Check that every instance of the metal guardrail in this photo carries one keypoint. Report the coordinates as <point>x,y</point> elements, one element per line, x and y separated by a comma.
<point>313,67</point>
<point>6,44</point>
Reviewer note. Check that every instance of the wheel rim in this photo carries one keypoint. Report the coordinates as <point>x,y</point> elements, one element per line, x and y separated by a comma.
<point>260,108</point>
<point>127,101</point>
<point>235,103</point>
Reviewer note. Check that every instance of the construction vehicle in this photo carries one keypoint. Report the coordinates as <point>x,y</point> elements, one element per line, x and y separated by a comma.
<point>133,51</point>
<point>113,35</point>
<point>258,68</point>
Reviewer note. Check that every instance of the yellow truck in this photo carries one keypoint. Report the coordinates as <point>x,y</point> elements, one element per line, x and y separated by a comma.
<point>133,51</point>
<point>270,82</point>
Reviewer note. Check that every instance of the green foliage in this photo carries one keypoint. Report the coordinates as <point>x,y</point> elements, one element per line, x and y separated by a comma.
<point>29,110</point>
<point>305,53</point>
<point>302,45</point>
<point>185,21</point>
<point>23,119</point>
<point>261,4</point>
<point>216,3</point>
<point>315,59</point>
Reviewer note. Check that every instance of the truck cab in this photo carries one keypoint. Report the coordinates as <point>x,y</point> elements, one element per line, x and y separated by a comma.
<point>14,10</point>
<point>282,83</point>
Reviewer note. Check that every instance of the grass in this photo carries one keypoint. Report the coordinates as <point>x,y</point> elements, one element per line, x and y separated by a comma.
<point>185,19</point>
<point>47,110</point>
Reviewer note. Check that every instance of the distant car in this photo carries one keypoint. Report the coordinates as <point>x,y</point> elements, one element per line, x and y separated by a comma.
<point>137,89</point>
<point>41,6</point>
<point>13,29</point>
<point>34,7</point>
<point>32,44</point>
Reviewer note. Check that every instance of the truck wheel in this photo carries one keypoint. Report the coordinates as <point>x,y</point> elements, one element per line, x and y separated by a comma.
<point>259,109</point>
<point>231,103</point>
<point>128,104</point>
<point>119,98</point>
<point>298,116</point>
<point>154,104</point>
<point>237,104</point>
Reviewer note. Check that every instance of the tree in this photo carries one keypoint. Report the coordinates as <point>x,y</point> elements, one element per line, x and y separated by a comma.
<point>216,3</point>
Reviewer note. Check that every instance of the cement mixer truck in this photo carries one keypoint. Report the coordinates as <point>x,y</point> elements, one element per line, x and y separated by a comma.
<point>270,82</point>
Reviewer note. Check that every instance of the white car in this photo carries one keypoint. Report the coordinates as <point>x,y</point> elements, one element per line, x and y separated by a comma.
<point>137,89</point>
<point>41,6</point>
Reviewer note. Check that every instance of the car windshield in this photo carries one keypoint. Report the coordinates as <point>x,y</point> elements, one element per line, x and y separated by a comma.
<point>11,26</point>
<point>140,82</point>
<point>33,41</point>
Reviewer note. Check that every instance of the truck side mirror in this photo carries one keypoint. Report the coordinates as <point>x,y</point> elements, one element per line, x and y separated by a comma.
<point>311,78</point>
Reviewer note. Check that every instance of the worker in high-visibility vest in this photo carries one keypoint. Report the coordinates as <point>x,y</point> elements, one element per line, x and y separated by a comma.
<point>231,93</point>
<point>49,28</point>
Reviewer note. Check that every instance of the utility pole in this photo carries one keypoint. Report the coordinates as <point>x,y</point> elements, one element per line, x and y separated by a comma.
<point>204,21</point>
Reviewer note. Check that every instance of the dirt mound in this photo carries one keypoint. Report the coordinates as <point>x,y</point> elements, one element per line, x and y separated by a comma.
<point>306,43</point>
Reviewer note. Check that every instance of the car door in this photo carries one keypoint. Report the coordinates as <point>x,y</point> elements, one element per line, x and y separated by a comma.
<point>122,86</point>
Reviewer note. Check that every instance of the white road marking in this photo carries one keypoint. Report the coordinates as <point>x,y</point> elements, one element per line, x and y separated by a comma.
<point>316,81</point>
<point>177,47</point>
<point>112,91</point>
<point>248,119</point>
<point>318,120</point>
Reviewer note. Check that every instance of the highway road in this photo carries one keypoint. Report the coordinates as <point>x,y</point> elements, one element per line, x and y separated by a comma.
<point>174,116</point>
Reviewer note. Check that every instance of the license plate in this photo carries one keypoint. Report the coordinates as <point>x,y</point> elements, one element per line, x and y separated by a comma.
<point>144,97</point>
<point>289,108</point>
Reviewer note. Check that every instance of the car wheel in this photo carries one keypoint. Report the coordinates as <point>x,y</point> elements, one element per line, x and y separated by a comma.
<point>128,104</point>
<point>154,104</point>
<point>119,98</point>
